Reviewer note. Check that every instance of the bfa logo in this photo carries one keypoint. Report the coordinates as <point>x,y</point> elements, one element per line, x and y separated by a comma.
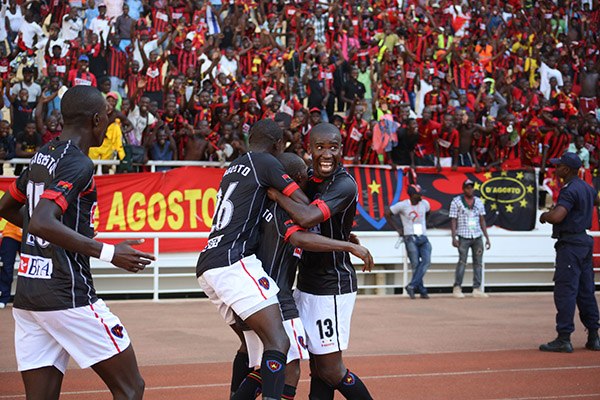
<point>349,380</point>
<point>378,188</point>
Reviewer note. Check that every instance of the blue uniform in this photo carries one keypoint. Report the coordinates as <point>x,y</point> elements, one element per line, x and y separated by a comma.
<point>574,274</point>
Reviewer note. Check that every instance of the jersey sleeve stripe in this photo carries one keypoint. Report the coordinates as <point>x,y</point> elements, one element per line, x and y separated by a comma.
<point>16,194</point>
<point>291,188</point>
<point>57,197</point>
<point>291,230</point>
<point>324,209</point>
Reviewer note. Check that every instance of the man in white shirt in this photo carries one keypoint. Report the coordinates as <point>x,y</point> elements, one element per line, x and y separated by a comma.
<point>228,65</point>
<point>413,213</point>
<point>31,32</point>
<point>548,71</point>
<point>101,24</point>
<point>72,25</point>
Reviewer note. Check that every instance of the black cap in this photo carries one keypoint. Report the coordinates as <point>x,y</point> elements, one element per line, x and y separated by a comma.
<point>412,189</point>
<point>467,183</point>
<point>571,160</point>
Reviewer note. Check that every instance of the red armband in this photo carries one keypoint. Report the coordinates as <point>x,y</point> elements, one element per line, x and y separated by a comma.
<point>16,194</point>
<point>324,209</point>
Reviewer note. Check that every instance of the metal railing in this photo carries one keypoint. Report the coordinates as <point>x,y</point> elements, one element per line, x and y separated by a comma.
<point>158,272</point>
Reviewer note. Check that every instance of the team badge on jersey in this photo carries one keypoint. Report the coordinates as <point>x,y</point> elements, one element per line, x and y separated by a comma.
<point>117,330</point>
<point>273,365</point>
<point>65,186</point>
<point>349,380</point>
<point>264,282</point>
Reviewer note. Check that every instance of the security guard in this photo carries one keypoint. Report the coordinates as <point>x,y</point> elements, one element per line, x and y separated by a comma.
<point>574,274</point>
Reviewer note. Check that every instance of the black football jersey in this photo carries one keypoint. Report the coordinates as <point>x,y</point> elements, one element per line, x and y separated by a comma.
<point>241,200</point>
<point>329,273</point>
<point>278,256</point>
<point>50,277</point>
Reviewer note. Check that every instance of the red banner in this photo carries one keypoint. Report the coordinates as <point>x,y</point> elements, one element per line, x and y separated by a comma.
<point>180,200</point>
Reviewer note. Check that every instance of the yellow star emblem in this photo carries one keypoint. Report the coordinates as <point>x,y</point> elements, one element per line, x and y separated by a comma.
<point>509,208</point>
<point>529,189</point>
<point>488,175</point>
<point>476,186</point>
<point>374,187</point>
<point>523,203</point>
<point>494,206</point>
<point>504,173</point>
<point>520,175</point>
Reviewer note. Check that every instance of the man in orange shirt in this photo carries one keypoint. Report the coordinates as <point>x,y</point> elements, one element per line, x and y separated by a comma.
<point>11,242</point>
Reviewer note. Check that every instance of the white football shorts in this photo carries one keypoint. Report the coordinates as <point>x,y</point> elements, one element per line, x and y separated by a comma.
<point>298,349</point>
<point>243,287</point>
<point>326,320</point>
<point>89,334</point>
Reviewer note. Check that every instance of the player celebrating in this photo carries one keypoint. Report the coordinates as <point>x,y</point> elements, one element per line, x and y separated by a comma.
<point>56,310</point>
<point>279,251</point>
<point>327,286</point>
<point>228,270</point>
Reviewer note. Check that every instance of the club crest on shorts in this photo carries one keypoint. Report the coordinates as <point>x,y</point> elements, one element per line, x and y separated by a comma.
<point>301,341</point>
<point>349,380</point>
<point>117,330</point>
<point>273,365</point>
<point>264,282</point>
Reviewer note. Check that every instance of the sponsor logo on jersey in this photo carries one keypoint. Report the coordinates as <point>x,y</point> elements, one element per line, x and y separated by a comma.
<point>117,330</point>
<point>212,243</point>
<point>349,380</point>
<point>66,186</point>
<point>302,342</point>
<point>264,282</point>
<point>298,252</point>
<point>287,178</point>
<point>35,267</point>
<point>273,365</point>
<point>93,214</point>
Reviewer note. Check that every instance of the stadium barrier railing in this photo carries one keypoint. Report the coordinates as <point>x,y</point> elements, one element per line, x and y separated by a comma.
<point>392,272</point>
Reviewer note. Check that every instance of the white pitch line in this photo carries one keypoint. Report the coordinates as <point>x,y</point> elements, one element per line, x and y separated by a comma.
<point>497,371</point>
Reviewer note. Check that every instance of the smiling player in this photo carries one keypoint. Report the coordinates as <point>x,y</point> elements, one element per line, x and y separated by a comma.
<point>327,285</point>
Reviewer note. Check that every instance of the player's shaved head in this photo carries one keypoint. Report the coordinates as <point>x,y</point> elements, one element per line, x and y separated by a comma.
<point>293,164</point>
<point>323,130</point>
<point>265,131</point>
<point>80,103</point>
<point>266,137</point>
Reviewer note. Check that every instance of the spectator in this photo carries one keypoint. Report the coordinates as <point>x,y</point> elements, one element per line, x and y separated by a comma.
<point>468,225</point>
<point>9,246</point>
<point>27,142</point>
<point>413,213</point>
<point>7,144</point>
<point>33,89</point>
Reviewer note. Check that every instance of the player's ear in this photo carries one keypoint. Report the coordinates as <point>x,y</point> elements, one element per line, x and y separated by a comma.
<point>95,120</point>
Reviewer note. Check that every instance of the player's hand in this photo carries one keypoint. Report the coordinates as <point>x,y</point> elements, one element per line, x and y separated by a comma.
<point>455,242</point>
<point>354,239</point>
<point>130,259</point>
<point>364,254</point>
<point>487,244</point>
<point>273,193</point>
<point>543,217</point>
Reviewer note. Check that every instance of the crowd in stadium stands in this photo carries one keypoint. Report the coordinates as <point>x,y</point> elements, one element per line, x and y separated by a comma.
<point>490,84</point>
